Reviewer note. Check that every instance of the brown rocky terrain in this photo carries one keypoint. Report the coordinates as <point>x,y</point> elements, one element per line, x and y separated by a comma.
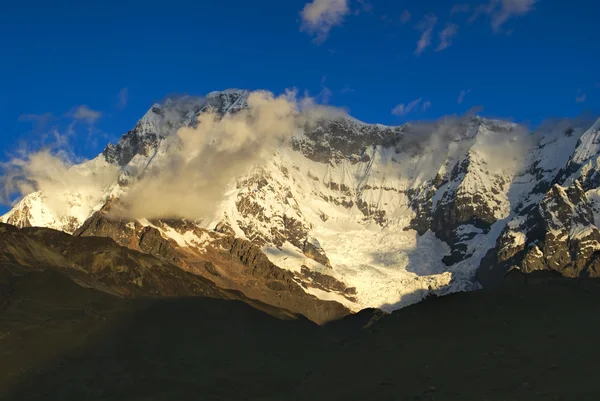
<point>155,268</point>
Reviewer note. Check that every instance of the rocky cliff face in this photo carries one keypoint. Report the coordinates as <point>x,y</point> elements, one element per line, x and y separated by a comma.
<point>226,262</point>
<point>555,227</point>
<point>367,215</point>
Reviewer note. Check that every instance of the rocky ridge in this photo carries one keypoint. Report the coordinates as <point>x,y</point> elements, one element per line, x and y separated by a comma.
<point>367,215</point>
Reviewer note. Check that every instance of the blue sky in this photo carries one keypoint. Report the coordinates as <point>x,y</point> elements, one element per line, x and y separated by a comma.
<point>92,69</point>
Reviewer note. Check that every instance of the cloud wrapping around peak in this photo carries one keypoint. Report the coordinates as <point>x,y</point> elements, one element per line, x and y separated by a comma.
<point>426,27</point>
<point>84,113</point>
<point>446,36</point>
<point>200,163</point>
<point>54,174</point>
<point>319,16</point>
<point>203,161</point>
<point>403,109</point>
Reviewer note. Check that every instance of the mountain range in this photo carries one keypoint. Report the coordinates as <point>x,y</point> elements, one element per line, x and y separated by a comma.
<point>327,216</point>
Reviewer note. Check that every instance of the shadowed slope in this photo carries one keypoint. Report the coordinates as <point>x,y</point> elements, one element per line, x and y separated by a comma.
<point>525,343</point>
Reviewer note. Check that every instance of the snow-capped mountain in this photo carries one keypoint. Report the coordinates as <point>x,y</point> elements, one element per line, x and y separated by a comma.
<point>365,215</point>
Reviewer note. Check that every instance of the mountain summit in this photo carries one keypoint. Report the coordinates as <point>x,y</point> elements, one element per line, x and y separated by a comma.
<point>331,208</point>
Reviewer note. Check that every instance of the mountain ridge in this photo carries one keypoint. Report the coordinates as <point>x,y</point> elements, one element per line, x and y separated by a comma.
<point>369,215</point>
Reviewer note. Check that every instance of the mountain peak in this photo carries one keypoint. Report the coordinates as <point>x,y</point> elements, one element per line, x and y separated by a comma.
<point>228,92</point>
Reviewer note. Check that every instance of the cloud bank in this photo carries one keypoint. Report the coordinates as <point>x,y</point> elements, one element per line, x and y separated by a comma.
<point>197,165</point>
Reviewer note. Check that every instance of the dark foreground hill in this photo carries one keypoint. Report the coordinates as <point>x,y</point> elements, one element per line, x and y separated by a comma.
<point>61,341</point>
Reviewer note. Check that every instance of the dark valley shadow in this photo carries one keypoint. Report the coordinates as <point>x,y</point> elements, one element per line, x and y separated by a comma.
<point>71,343</point>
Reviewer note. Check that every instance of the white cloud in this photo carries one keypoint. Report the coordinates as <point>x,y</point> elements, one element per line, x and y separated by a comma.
<point>403,109</point>
<point>84,113</point>
<point>446,36</point>
<point>122,98</point>
<point>405,17</point>
<point>503,10</point>
<point>319,16</point>
<point>462,95</point>
<point>426,26</point>
<point>460,8</point>
<point>426,105</point>
<point>205,160</point>
<point>581,96</point>
<point>54,174</point>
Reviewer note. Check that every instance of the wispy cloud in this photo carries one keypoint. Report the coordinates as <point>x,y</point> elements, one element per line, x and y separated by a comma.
<point>56,132</point>
<point>347,89</point>
<point>483,9</point>
<point>403,109</point>
<point>503,10</point>
<point>462,95</point>
<point>85,114</point>
<point>122,98</point>
<point>426,105</point>
<point>325,95</point>
<point>40,121</point>
<point>511,8</point>
<point>446,36</point>
<point>580,96</point>
<point>405,17</point>
<point>460,8</point>
<point>426,27</point>
<point>319,16</point>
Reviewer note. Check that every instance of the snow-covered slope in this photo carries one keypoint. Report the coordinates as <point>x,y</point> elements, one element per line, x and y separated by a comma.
<point>367,215</point>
